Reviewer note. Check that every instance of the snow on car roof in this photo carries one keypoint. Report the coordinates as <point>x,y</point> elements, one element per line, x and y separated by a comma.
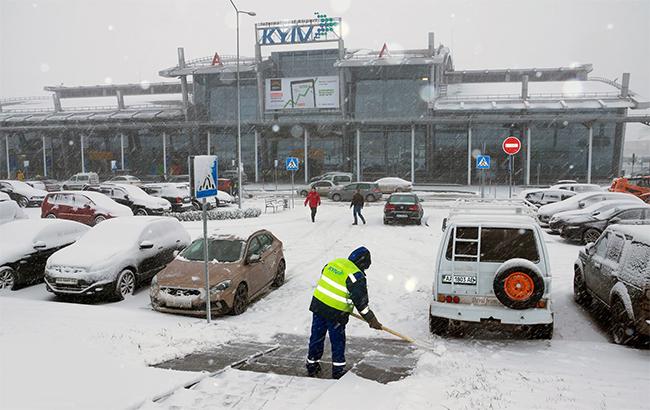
<point>493,219</point>
<point>23,229</point>
<point>97,197</point>
<point>392,179</point>
<point>239,233</point>
<point>639,233</point>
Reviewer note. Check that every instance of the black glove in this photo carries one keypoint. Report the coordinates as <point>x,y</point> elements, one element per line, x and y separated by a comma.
<point>374,323</point>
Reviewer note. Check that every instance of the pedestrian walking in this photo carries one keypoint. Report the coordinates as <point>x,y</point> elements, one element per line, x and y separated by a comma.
<point>313,199</point>
<point>341,288</point>
<point>357,206</point>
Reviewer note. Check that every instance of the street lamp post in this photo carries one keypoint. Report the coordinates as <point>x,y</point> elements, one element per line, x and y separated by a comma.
<point>239,165</point>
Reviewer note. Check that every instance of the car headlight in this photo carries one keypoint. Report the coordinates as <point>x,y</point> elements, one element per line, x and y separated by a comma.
<point>155,288</point>
<point>220,287</point>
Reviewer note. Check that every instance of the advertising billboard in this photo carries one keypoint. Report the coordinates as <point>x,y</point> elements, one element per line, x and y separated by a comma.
<point>302,93</point>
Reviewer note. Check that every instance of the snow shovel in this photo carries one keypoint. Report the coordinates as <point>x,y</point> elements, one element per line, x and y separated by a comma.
<point>391,331</point>
<point>403,337</point>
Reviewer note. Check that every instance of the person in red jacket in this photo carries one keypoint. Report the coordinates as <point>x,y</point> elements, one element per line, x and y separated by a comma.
<point>313,199</point>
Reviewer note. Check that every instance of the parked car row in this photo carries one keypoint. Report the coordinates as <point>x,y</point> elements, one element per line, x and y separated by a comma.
<point>331,181</point>
<point>113,259</point>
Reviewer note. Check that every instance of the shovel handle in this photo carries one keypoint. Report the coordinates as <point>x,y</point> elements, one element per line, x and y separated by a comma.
<point>388,330</point>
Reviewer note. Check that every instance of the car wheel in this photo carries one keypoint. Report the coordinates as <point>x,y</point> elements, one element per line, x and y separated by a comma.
<point>336,197</point>
<point>240,302</point>
<point>279,275</point>
<point>7,279</point>
<point>580,293</point>
<point>385,221</point>
<point>419,221</point>
<point>622,327</point>
<point>125,284</point>
<point>51,216</point>
<point>23,202</point>
<point>518,287</point>
<point>590,235</point>
<point>141,212</point>
<point>99,219</point>
<point>544,331</point>
<point>370,198</point>
<point>303,193</point>
<point>438,325</point>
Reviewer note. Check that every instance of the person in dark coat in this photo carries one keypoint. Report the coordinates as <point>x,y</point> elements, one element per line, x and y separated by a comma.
<point>341,288</point>
<point>313,199</point>
<point>357,205</point>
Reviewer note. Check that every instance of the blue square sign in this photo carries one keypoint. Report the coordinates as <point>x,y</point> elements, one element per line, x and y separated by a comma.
<point>292,164</point>
<point>483,162</point>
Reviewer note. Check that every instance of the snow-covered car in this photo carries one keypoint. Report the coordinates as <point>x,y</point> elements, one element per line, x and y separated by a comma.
<point>241,268</point>
<point>125,179</point>
<point>615,271</point>
<point>178,194</point>
<point>49,185</point>
<point>140,202</point>
<point>26,244</point>
<point>545,196</point>
<point>80,181</point>
<point>87,207</point>
<point>560,219</point>
<point>9,210</point>
<point>115,257</point>
<point>492,269</point>
<point>22,193</point>
<point>578,201</point>
<point>389,185</point>
<point>589,228</point>
<point>579,188</point>
<point>322,187</point>
<point>224,198</point>
<point>369,190</point>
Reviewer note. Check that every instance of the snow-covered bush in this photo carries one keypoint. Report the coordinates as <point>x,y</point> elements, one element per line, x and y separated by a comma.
<point>217,214</point>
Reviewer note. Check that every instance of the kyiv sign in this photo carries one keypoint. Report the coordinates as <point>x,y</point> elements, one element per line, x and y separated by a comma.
<point>319,29</point>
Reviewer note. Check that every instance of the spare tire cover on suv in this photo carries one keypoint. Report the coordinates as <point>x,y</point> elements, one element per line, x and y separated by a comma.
<point>518,284</point>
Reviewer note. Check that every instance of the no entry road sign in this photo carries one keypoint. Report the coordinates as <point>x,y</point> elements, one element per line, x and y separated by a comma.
<point>511,145</point>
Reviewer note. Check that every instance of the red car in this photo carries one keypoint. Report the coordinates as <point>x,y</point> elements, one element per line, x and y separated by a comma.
<point>86,207</point>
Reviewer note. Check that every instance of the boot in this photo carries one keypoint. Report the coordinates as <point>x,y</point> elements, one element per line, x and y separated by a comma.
<point>313,369</point>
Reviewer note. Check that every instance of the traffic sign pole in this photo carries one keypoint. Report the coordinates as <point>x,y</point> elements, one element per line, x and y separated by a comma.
<point>293,173</point>
<point>208,314</point>
<point>511,146</point>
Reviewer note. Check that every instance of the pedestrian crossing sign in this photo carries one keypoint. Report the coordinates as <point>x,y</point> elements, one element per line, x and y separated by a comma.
<point>292,164</point>
<point>483,162</point>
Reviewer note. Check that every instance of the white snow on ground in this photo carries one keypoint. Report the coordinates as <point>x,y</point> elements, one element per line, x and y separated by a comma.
<point>62,355</point>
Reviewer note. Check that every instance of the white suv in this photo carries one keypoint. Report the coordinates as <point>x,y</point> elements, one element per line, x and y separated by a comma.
<point>492,268</point>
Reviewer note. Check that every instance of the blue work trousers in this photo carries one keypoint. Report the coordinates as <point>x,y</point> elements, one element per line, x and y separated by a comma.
<point>357,211</point>
<point>319,327</point>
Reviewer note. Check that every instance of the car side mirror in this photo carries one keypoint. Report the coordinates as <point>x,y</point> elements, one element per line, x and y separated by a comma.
<point>581,204</point>
<point>444,224</point>
<point>126,197</point>
<point>176,252</point>
<point>590,248</point>
<point>254,259</point>
<point>39,245</point>
<point>146,245</point>
<point>615,220</point>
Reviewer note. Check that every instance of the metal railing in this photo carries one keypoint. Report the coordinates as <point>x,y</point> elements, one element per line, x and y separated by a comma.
<point>541,96</point>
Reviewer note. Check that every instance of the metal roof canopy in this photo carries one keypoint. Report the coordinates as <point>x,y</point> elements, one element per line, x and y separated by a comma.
<point>448,120</point>
<point>112,89</point>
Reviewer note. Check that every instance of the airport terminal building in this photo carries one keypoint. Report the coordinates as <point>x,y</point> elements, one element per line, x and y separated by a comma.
<point>405,113</point>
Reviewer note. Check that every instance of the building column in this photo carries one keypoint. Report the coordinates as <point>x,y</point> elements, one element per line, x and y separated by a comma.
<point>83,160</point>
<point>469,155</point>
<point>413,154</point>
<point>306,137</point>
<point>528,145</point>
<point>257,159</point>
<point>358,153</point>
<point>7,154</point>
<point>590,152</point>
<point>122,150</point>
<point>164,141</point>
<point>44,157</point>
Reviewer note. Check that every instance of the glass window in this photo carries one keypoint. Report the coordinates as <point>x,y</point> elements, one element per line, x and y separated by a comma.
<point>637,263</point>
<point>254,247</point>
<point>119,193</point>
<point>80,201</point>
<point>601,245</point>
<point>218,250</point>
<point>631,214</point>
<point>615,248</point>
<point>402,199</point>
<point>497,244</point>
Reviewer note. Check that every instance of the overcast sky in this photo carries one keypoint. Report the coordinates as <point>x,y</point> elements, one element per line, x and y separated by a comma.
<point>86,42</point>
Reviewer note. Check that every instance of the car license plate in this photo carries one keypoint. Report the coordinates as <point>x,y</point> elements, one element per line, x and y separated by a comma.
<point>401,216</point>
<point>66,281</point>
<point>460,279</point>
<point>181,303</point>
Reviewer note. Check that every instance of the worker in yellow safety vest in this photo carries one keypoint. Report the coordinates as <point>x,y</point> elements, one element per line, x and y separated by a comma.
<point>341,287</point>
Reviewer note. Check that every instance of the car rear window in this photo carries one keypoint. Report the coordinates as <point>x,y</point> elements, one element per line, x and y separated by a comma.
<point>636,267</point>
<point>402,199</point>
<point>220,250</point>
<point>497,244</point>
